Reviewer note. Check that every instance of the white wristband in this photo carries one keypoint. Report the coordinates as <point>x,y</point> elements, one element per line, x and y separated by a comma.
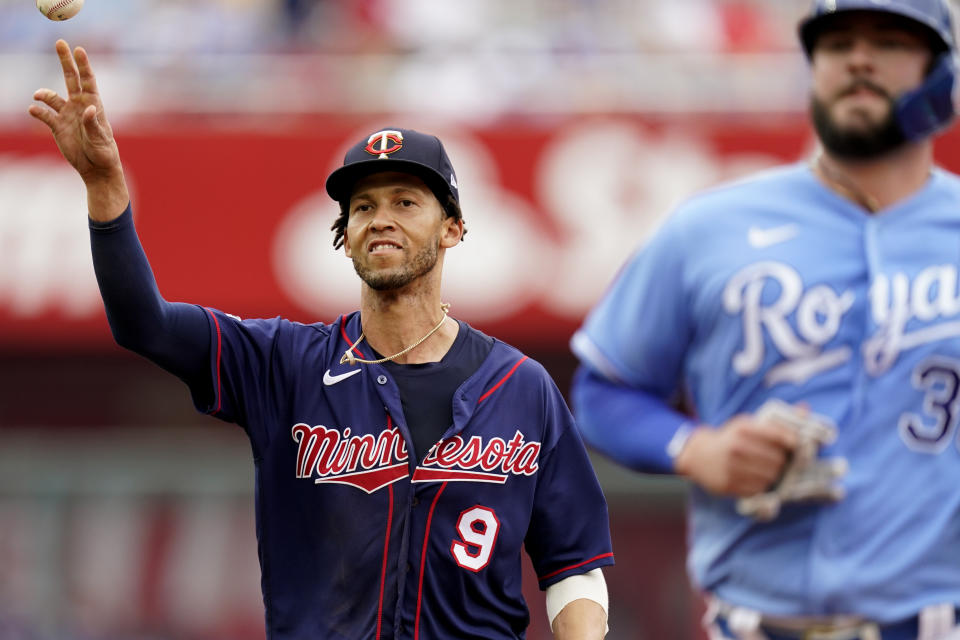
<point>589,585</point>
<point>679,439</point>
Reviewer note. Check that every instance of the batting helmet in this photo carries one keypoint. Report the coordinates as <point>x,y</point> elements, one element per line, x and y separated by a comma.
<point>934,15</point>
<point>930,106</point>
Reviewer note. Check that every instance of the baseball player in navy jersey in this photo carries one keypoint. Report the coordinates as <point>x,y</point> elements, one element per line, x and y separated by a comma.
<point>810,318</point>
<point>403,458</point>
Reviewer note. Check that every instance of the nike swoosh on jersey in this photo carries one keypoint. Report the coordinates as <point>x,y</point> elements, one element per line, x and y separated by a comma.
<point>332,380</point>
<point>763,238</point>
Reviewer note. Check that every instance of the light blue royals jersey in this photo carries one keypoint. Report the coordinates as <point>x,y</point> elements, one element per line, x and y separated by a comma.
<point>779,287</point>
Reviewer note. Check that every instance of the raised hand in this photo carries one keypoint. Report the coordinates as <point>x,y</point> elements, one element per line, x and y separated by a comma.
<point>83,134</point>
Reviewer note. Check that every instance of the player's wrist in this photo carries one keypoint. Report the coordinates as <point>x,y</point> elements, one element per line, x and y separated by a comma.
<point>687,449</point>
<point>107,196</point>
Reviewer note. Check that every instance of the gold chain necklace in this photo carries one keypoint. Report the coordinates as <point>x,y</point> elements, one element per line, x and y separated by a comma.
<point>844,185</point>
<point>348,356</point>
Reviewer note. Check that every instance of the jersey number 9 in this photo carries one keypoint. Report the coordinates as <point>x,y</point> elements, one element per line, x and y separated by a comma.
<point>478,528</point>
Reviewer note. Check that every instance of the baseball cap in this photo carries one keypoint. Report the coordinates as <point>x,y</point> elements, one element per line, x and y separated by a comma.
<point>403,150</point>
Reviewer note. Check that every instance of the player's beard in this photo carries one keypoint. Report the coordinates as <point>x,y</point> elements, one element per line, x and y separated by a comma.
<point>856,144</point>
<point>387,280</point>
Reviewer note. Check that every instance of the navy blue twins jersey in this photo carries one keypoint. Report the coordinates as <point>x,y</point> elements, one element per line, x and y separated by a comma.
<point>357,539</point>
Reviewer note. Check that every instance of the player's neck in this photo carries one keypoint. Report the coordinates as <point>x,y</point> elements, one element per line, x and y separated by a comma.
<point>877,183</point>
<point>395,320</point>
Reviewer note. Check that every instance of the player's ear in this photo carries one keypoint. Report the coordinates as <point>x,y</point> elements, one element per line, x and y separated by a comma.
<point>346,244</point>
<point>452,232</point>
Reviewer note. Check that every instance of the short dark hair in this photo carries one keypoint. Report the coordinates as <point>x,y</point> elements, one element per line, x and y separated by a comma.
<point>451,208</point>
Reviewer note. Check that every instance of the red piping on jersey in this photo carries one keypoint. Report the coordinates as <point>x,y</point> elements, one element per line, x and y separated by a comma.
<point>343,332</point>
<point>502,380</point>
<point>423,560</point>
<point>423,474</point>
<point>216,323</point>
<point>574,566</point>
<point>386,549</point>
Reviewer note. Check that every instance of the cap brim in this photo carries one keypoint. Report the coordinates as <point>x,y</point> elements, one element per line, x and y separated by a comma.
<point>810,28</point>
<point>340,183</point>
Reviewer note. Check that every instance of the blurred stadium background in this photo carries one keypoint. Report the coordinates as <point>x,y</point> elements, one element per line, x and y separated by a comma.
<point>574,126</point>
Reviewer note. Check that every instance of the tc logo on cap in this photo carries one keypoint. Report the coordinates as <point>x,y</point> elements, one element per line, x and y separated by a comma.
<point>389,141</point>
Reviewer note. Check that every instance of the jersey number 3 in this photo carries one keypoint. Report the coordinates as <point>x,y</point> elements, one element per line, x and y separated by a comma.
<point>478,528</point>
<point>939,380</point>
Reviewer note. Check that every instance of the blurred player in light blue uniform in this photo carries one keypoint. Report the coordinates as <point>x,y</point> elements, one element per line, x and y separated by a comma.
<point>832,286</point>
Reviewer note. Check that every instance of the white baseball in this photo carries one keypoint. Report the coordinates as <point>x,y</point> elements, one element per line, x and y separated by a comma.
<point>59,9</point>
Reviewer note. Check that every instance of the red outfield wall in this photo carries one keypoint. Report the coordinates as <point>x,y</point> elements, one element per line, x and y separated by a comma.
<point>238,219</point>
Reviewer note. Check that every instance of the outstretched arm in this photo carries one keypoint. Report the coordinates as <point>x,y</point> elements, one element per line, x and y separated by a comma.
<point>83,134</point>
<point>175,336</point>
